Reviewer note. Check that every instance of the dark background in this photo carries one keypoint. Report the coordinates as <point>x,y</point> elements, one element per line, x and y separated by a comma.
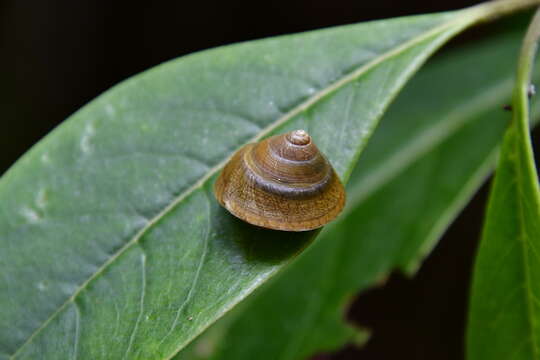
<point>55,56</point>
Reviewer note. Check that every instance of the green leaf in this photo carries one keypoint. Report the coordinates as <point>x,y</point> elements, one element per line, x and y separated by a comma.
<point>112,243</point>
<point>504,319</point>
<point>432,150</point>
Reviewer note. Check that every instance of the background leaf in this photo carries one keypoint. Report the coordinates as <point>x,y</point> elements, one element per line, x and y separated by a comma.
<point>429,155</point>
<point>109,223</point>
<point>505,300</point>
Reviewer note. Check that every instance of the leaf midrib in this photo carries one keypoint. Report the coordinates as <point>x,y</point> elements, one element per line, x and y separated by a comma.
<point>464,20</point>
<point>522,240</point>
<point>525,170</point>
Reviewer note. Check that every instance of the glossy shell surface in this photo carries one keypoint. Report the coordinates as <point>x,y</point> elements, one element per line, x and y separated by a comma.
<point>281,183</point>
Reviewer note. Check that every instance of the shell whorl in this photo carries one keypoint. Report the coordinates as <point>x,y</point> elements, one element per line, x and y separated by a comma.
<point>289,165</point>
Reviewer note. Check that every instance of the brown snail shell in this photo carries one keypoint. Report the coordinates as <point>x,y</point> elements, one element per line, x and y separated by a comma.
<point>281,183</point>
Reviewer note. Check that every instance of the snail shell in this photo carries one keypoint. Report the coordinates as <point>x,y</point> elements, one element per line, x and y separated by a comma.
<point>281,183</point>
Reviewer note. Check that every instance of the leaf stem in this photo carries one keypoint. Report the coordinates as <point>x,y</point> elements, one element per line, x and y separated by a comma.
<point>526,61</point>
<point>523,90</point>
<point>498,8</point>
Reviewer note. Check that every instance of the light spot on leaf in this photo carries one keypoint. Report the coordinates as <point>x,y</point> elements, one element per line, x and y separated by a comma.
<point>41,199</point>
<point>89,132</point>
<point>45,159</point>
<point>30,215</point>
<point>110,110</point>
<point>41,286</point>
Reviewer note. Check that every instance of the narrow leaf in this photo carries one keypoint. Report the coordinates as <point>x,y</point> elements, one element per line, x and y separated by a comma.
<point>504,319</point>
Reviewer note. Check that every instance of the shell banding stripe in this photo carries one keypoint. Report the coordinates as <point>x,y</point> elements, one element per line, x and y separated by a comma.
<point>266,176</point>
<point>273,166</point>
<point>281,183</point>
<point>282,161</point>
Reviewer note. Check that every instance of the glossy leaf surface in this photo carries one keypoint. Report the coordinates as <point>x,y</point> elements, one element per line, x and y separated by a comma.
<point>112,243</point>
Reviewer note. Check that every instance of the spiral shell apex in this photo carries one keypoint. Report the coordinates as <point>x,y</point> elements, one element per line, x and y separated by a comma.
<point>281,183</point>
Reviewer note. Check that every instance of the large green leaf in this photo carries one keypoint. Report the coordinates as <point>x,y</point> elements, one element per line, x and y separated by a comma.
<point>432,150</point>
<point>504,319</point>
<point>112,243</point>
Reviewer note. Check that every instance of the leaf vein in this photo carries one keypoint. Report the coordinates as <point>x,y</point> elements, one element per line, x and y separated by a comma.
<point>197,274</point>
<point>77,334</point>
<point>141,304</point>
